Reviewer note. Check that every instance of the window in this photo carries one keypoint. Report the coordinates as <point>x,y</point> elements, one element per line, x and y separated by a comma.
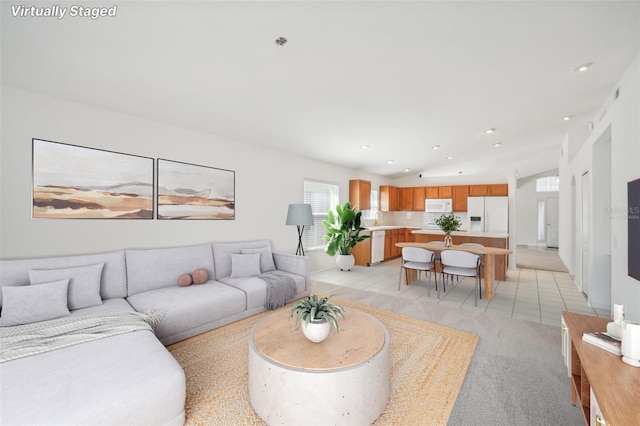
<point>322,196</point>
<point>371,213</point>
<point>548,184</point>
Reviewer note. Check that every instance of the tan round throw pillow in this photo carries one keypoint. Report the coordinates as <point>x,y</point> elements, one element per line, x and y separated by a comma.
<point>185,280</point>
<point>200,276</point>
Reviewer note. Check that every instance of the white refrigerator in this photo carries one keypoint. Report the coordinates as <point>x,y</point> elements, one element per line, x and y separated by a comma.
<point>488,214</point>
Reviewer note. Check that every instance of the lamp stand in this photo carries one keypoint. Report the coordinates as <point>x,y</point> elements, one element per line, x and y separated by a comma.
<point>300,250</point>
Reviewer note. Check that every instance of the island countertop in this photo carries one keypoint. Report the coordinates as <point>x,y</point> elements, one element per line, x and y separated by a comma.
<point>460,233</point>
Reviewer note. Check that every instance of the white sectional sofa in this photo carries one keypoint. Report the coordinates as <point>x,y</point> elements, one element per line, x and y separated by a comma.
<point>130,378</point>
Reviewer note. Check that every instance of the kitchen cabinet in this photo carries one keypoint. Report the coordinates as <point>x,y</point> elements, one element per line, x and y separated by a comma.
<point>498,190</point>
<point>445,192</point>
<point>418,199</point>
<point>406,199</point>
<point>388,250</point>
<point>478,190</point>
<point>432,192</point>
<point>388,198</point>
<point>460,194</point>
<point>360,194</point>
<point>362,251</point>
<point>394,241</point>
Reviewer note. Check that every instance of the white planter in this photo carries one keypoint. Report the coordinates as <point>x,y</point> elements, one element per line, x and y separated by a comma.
<point>345,261</point>
<point>316,331</point>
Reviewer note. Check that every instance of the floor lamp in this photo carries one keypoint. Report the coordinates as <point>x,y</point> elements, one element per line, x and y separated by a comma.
<point>300,215</point>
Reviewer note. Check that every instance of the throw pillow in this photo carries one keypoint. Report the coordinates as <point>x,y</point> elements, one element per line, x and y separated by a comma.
<point>200,276</point>
<point>185,280</point>
<point>84,283</point>
<point>245,265</point>
<point>33,303</point>
<point>266,258</point>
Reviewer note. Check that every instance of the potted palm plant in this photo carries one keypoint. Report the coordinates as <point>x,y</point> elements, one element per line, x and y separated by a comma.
<point>447,224</point>
<point>317,314</point>
<point>343,233</point>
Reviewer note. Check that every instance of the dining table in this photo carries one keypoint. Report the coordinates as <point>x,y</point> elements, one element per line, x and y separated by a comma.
<point>489,254</point>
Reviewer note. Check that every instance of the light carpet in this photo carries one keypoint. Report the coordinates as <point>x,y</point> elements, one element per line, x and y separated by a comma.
<point>428,366</point>
<point>539,258</point>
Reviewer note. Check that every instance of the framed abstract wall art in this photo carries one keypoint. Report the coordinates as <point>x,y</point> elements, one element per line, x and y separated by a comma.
<point>76,182</point>
<point>190,191</point>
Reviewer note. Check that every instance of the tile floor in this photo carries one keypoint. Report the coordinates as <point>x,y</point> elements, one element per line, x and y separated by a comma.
<point>527,294</point>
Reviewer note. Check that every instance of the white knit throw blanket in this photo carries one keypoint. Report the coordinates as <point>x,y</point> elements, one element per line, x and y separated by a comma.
<point>31,339</point>
<point>280,289</point>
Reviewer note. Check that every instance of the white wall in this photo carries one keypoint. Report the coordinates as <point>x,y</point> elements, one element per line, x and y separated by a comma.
<point>622,118</point>
<point>266,182</point>
<point>527,208</point>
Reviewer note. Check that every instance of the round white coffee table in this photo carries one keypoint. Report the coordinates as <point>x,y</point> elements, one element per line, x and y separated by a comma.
<point>344,380</point>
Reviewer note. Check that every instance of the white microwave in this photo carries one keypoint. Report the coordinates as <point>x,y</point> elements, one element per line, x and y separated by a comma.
<point>438,205</point>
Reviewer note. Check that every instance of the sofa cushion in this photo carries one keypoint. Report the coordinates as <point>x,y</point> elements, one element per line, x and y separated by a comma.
<point>158,268</point>
<point>84,283</point>
<point>108,305</point>
<point>266,258</point>
<point>128,379</point>
<point>222,254</point>
<point>245,265</point>
<point>113,282</point>
<point>189,307</point>
<point>34,303</point>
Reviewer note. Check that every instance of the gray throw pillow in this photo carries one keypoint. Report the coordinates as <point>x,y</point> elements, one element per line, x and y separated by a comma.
<point>245,265</point>
<point>33,303</point>
<point>84,283</point>
<point>266,257</point>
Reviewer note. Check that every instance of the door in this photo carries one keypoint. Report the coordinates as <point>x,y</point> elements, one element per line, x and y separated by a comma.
<point>586,235</point>
<point>552,221</point>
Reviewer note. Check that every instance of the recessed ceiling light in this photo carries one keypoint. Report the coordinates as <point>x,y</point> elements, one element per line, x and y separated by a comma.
<point>489,131</point>
<point>497,144</point>
<point>364,147</point>
<point>406,170</point>
<point>435,147</point>
<point>389,161</point>
<point>450,157</point>
<point>281,41</point>
<point>566,118</point>
<point>583,67</point>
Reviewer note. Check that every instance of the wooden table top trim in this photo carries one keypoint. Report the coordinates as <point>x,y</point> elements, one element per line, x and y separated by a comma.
<point>278,338</point>
<point>615,384</point>
<point>471,249</point>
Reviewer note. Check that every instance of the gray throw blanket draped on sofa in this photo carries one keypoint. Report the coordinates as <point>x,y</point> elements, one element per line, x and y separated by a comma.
<point>280,289</point>
<point>31,339</point>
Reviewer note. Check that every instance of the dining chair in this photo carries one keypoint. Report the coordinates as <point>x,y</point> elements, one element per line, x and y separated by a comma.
<point>481,264</point>
<point>437,259</point>
<point>418,259</point>
<point>461,263</point>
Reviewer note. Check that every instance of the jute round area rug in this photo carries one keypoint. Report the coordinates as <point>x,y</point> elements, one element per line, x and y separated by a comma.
<point>428,366</point>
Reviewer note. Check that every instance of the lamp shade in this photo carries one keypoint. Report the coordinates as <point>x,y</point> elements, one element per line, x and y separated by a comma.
<point>299,214</point>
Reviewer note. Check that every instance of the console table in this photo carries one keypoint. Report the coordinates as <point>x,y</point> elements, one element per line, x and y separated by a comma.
<point>344,380</point>
<point>607,389</point>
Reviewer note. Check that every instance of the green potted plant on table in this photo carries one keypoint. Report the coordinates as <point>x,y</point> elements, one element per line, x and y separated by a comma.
<point>317,314</point>
<point>343,233</point>
<point>447,224</point>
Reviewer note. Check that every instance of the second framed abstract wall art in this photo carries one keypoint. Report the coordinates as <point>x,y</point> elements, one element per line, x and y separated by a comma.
<point>76,182</point>
<point>191,191</point>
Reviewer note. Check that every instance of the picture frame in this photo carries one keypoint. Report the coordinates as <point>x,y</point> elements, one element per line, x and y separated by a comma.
<point>192,191</point>
<point>79,182</point>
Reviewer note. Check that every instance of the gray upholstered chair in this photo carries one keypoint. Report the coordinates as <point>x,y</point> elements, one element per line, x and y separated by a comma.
<point>480,264</point>
<point>418,259</point>
<point>461,263</point>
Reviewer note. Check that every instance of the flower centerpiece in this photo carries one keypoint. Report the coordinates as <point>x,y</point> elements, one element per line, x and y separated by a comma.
<point>447,224</point>
<point>317,314</point>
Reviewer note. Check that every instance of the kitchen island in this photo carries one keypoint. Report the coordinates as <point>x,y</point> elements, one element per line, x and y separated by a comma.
<point>459,237</point>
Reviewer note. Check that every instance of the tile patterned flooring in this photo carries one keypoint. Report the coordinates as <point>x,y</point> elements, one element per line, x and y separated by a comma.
<point>527,294</point>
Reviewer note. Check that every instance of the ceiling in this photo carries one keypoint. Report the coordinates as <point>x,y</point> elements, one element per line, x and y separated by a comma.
<point>400,77</point>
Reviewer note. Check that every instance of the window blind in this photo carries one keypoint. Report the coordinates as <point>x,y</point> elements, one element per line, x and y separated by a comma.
<point>323,196</point>
<point>548,184</point>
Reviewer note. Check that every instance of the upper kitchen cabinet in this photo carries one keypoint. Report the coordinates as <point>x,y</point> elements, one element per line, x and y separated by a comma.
<point>499,189</point>
<point>360,194</point>
<point>478,190</point>
<point>406,199</point>
<point>445,192</point>
<point>388,198</point>
<point>432,192</point>
<point>459,195</point>
<point>418,198</point>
